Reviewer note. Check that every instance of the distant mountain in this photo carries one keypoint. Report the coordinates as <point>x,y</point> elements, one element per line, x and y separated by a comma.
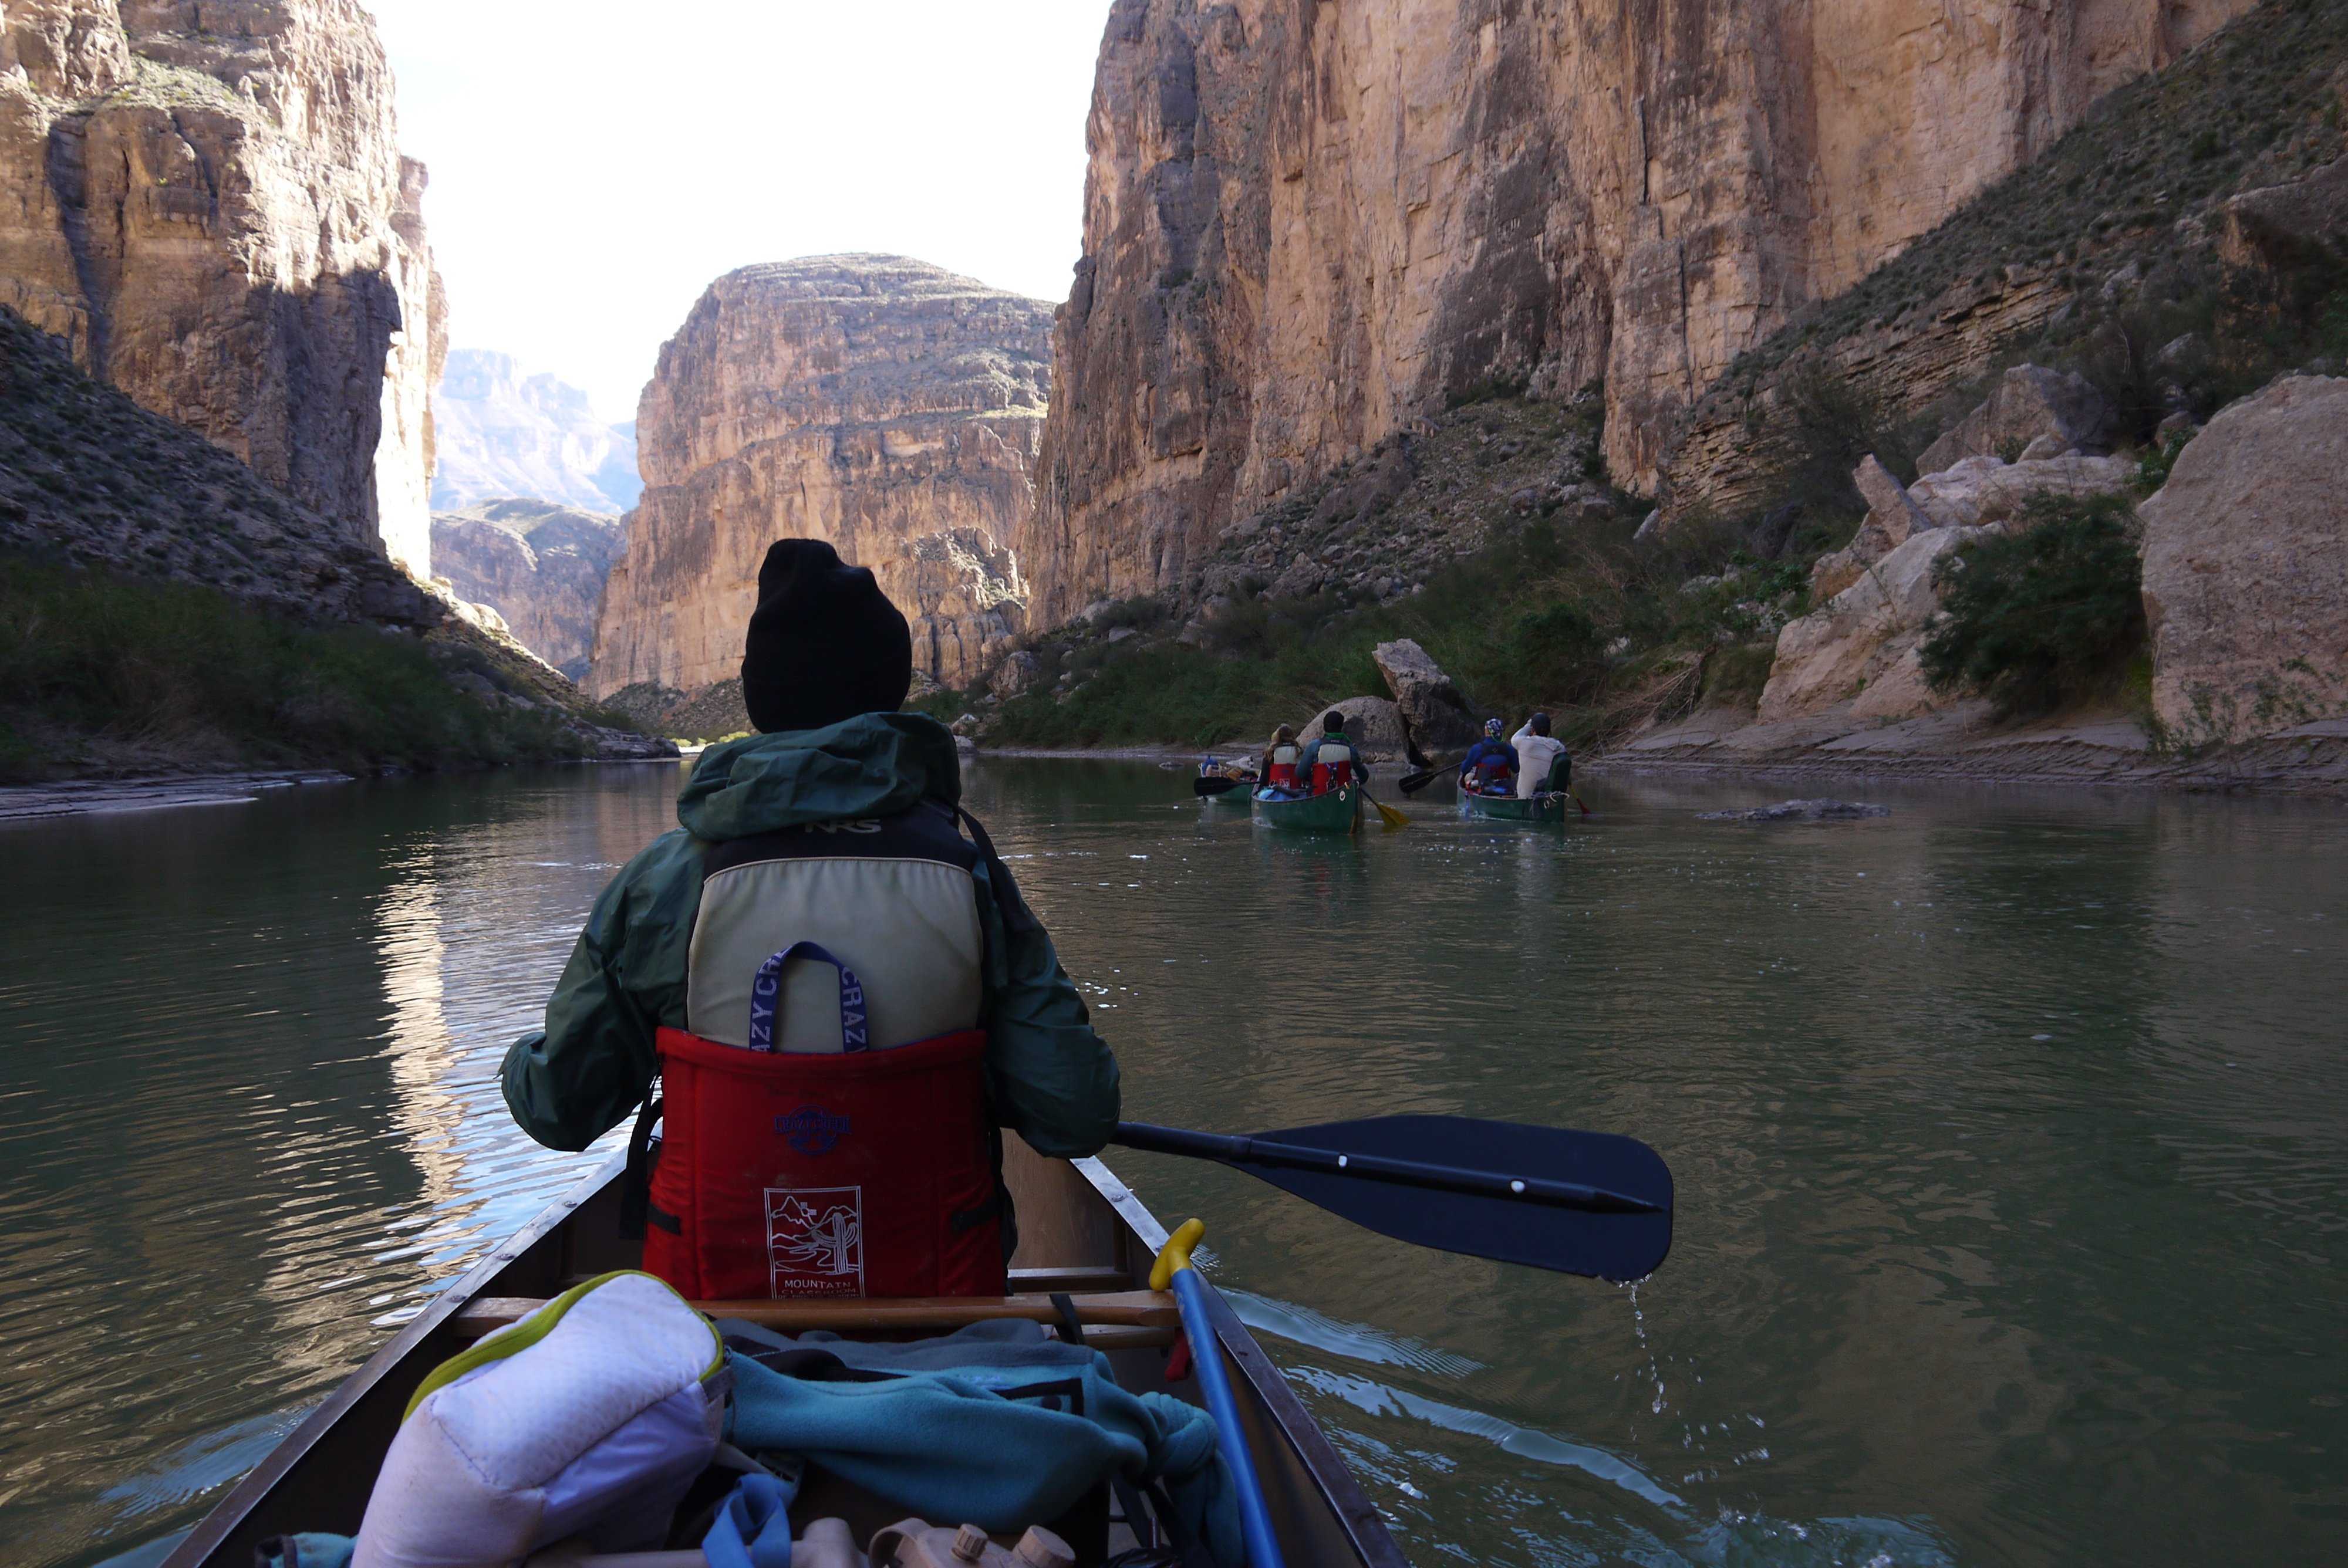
<point>498,434</point>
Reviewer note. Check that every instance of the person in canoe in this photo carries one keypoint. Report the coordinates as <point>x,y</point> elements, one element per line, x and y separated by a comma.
<point>1490,765</point>
<point>1543,765</point>
<point>842,998</point>
<point>1329,760</point>
<point>1280,758</point>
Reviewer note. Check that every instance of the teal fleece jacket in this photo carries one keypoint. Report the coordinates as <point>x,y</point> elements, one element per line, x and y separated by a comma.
<point>1050,1078</point>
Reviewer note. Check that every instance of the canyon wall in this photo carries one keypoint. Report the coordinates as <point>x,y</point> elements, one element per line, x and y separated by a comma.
<point>205,199</point>
<point>540,565</point>
<point>1308,221</point>
<point>878,401</point>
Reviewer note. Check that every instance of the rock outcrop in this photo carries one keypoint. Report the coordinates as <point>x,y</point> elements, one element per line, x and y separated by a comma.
<point>89,477</point>
<point>2029,405</point>
<point>2246,568</point>
<point>1862,646</point>
<point>1306,223</point>
<point>1436,723</point>
<point>878,401</point>
<point>498,434</point>
<point>541,567</point>
<point>1372,723</point>
<point>206,202</point>
<point>2138,202</point>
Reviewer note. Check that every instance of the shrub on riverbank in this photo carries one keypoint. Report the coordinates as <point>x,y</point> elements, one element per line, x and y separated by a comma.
<point>2047,616</point>
<point>1580,618</point>
<point>98,670</point>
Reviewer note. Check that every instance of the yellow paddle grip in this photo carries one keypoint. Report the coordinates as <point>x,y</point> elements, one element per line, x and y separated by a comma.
<point>1175,1255</point>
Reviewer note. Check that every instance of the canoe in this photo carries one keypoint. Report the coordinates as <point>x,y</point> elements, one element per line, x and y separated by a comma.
<point>1544,810</point>
<point>1339,811</point>
<point>1080,1230</point>
<point>1238,796</point>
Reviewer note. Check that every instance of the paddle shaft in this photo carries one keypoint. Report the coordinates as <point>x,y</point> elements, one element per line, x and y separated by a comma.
<point>1246,1151</point>
<point>1215,1383</point>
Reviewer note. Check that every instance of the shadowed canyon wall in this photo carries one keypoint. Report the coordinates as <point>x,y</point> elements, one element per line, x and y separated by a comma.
<point>206,202</point>
<point>1306,222</point>
<point>878,401</point>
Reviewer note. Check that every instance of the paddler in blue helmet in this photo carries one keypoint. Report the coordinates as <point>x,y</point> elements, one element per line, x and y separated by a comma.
<point>833,978</point>
<point>1490,763</point>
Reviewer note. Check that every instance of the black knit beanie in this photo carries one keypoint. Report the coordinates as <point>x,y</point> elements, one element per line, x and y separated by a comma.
<point>825,643</point>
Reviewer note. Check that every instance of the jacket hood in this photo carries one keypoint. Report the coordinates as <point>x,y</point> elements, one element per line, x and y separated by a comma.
<point>875,765</point>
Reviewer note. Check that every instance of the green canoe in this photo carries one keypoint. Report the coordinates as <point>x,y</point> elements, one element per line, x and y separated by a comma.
<point>1339,811</point>
<point>1543,809</point>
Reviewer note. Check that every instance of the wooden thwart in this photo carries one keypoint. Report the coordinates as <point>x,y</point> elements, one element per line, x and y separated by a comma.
<point>1149,1310</point>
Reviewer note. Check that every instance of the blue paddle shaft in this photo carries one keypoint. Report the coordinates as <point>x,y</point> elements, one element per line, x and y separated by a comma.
<point>1206,1356</point>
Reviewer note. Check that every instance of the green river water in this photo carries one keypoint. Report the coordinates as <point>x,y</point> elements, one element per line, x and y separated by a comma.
<point>2011,1137</point>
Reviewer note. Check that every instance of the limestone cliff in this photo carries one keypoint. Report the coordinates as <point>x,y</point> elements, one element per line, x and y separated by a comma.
<point>205,199</point>
<point>1307,222</point>
<point>878,401</point>
<point>539,564</point>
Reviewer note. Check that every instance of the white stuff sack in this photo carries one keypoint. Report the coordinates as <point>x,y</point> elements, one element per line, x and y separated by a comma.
<point>589,1416</point>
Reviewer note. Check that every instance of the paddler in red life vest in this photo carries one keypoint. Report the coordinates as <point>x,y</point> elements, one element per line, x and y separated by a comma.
<point>842,997</point>
<point>1331,760</point>
<point>1279,757</point>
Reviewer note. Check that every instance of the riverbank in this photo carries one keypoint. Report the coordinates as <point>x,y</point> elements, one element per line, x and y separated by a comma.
<point>104,676</point>
<point>1962,743</point>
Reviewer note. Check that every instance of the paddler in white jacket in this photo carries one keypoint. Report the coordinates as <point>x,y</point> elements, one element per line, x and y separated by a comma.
<point>1538,751</point>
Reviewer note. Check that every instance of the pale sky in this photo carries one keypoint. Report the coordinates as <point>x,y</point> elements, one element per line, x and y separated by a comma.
<point>595,164</point>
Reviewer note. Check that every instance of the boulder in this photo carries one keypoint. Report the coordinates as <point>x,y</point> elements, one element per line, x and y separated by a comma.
<point>2028,402</point>
<point>1437,723</point>
<point>1863,643</point>
<point>2246,568</point>
<point>1986,492</point>
<point>1892,518</point>
<point>1303,580</point>
<point>1019,672</point>
<point>2286,226</point>
<point>1373,724</point>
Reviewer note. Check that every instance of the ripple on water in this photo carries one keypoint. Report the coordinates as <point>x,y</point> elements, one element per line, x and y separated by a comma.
<point>1941,1292</point>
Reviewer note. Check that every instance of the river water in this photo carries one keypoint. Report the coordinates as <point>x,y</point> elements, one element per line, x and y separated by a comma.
<point>2011,1137</point>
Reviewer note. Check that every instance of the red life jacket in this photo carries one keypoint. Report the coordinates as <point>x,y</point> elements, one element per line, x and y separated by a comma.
<point>1283,768</point>
<point>1491,773</point>
<point>1329,776</point>
<point>806,1173</point>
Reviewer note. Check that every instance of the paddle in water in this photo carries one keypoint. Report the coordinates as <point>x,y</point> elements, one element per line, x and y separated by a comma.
<point>1578,1202</point>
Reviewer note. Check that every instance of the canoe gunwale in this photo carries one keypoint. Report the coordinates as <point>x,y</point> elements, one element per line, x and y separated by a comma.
<point>1540,810</point>
<point>217,1525</point>
<point>1336,1490</point>
<point>1311,812</point>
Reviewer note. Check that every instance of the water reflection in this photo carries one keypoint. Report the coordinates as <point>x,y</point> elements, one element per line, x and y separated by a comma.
<point>2007,1129</point>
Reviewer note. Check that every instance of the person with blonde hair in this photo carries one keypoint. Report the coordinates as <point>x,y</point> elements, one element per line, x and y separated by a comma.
<point>1280,758</point>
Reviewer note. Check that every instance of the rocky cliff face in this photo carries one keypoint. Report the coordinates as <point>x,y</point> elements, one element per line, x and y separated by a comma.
<point>878,401</point>
<point>498,432</point>
<point>539,565</point>
<point>1307,223</point>
<point>207,202</point>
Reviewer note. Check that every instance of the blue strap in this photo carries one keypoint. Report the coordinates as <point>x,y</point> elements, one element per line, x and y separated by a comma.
<point>767,995</point>
<point>753,1527</point>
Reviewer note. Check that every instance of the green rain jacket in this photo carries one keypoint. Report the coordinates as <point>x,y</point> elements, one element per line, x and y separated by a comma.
<point>1051,1079</point>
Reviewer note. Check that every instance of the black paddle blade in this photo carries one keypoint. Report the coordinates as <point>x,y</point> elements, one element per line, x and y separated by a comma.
<point>1411,784</point>
<point>1616,1246</point>
<point>1212,787</point>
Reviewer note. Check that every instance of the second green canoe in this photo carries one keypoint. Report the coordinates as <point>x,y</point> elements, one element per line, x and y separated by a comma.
<point>1339,811</point>
<point>1543,809</point>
